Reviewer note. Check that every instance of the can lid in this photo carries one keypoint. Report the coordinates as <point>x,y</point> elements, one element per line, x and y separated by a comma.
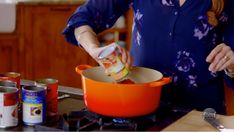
<point>34,88</point>
<point>46,81</point>
<point>106,52</point>
<point>10,74</point>
<point>7,83</point>
<point>7,90</point>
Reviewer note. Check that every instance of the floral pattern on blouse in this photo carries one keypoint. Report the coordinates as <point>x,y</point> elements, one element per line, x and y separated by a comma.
<point>167,3</point>
<point>202,28</point>
<point>184,61</point>
<point>137,26</point>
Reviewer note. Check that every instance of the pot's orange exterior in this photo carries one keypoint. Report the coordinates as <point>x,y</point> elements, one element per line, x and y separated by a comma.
<point>121,100</point>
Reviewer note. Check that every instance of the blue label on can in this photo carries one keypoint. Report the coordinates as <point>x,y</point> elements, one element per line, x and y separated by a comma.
<point>34,105</point>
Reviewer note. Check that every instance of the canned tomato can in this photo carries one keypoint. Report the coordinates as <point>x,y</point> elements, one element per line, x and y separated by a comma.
<point>110,59</point>
<point>8,106</point>
<point>51,95</point>
<point>34,106</point>
<point>7,83</point>
<point>12,76</point>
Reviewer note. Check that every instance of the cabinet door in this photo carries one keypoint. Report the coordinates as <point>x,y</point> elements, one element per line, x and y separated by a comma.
<point>47,52</point>
<point>8,54</point>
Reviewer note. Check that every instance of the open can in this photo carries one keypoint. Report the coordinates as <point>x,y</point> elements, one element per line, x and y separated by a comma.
<point>12,76</point>
<point>34,105</point>
<point>110,59</point>
<point>8,106</point>
<point>7,83</point>
<point>12,79</point>
<point>51,86</point>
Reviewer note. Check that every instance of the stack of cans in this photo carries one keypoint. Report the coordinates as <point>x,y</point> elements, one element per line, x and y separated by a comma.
<point>36,101</point>
<point>9,99</point>
<point>40,101</point>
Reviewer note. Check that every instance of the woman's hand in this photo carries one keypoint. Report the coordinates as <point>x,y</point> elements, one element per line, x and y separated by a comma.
<point>220,58</point>
<point>124,54</point>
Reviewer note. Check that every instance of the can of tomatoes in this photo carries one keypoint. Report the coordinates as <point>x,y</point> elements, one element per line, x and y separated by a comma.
<point>110,59</point>
<point>8,106</point>
<point>34,105</point>
<point>51,86</point>
<point>12,76</point>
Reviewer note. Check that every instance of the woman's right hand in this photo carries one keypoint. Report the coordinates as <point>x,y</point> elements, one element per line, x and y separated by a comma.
<point>124,54</point>
<point>89,41</point>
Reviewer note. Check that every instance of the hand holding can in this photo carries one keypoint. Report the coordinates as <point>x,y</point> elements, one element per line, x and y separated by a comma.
<point>115,60</point>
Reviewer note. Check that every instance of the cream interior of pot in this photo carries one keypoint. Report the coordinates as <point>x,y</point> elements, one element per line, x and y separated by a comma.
<point>137,74</point>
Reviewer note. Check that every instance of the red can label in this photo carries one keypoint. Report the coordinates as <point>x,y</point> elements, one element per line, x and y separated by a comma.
<point>8,107</point>
<point>51,95</point>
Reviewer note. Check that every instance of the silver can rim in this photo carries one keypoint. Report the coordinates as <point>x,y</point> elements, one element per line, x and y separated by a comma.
<point>8,90</point>
<point>33,88</point>
<point>8,83</point>
<point>10,74</point>
<point>46,81</point>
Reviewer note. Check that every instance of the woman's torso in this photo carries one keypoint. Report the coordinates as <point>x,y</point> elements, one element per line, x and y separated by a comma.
<point>176,41</point>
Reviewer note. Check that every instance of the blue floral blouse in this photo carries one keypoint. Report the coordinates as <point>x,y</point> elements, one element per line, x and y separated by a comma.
<point>172,39</point>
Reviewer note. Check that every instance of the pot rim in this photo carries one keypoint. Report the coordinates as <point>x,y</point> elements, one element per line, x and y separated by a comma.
<point>160,82</point>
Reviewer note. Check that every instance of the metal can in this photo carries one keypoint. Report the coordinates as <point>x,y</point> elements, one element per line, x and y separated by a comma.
<point>110,59</point>
<point>51,95</point>
<point>7,83</point>
<point>15,77</point>
<point>12,76</point>
<point>34,105</point>
<point>8,106</point>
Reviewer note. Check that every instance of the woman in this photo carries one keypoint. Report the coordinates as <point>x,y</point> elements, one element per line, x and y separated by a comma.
<point>189,40</point>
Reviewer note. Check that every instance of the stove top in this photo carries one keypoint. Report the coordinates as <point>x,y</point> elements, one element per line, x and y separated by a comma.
<point>85,120</point>
<point>79,118</point>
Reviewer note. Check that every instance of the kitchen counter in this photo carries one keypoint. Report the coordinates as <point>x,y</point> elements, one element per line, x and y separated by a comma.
<point>50,2</point>
<point>193,121</point>
<point>66,105</point>
<point>166,120</point>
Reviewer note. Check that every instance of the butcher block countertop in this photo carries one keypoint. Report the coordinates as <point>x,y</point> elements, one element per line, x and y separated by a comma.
<point>193,121</point>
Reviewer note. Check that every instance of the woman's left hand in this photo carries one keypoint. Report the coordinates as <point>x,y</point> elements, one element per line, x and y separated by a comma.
<point>220,58</point>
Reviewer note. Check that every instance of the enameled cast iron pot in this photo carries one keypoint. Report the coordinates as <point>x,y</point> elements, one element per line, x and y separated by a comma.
<point>103,96</point>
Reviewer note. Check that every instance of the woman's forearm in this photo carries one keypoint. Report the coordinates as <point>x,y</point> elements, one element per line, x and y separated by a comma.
<point>87,38</point>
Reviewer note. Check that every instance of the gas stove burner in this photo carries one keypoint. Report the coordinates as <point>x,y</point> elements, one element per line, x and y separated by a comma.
<point>85,120</point>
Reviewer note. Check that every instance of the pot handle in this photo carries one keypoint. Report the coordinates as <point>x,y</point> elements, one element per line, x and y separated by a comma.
<point>80,68</point>
<point>163,81</point>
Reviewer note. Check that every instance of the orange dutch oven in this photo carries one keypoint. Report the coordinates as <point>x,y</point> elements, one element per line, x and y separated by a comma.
<point>103,96</point>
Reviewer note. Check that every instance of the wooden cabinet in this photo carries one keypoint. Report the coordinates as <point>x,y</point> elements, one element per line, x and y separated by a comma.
<point>229,98</point>
<point>37,49</point>
<point>46,52</point>
<point>9,53</point>
<point>10,48</point>
<point>119,34</point>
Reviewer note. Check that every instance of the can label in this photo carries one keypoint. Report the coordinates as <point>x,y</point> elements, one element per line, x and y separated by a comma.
<point>110,59</point>
<point>8,107</point>
<point>32,113</point>
<point>51,95</point>
<point>34,107</point>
